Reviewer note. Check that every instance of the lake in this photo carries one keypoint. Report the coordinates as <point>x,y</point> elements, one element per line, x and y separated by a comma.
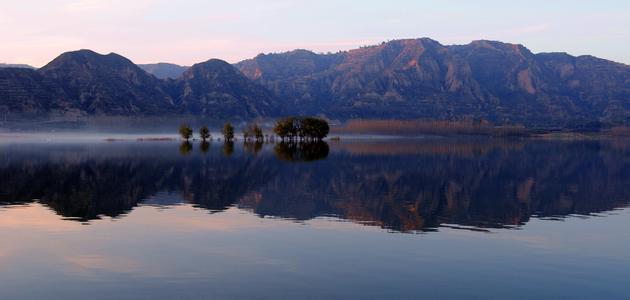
<point>435,218</point>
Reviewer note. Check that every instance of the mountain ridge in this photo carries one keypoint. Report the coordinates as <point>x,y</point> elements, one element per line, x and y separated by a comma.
<point>421,78</point>
<point>400,79</point>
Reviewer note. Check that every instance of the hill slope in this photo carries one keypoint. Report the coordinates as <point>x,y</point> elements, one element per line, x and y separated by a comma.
<point>421,78</point>
<point>84,83</point>
<point>403,79</point>
<point>217,89</point>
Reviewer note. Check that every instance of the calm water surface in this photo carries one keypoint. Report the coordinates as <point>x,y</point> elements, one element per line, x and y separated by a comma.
<point>426,218</point>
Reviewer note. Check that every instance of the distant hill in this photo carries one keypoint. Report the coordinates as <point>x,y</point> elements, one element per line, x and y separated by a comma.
<point>21,66</point>
<point>402,79</point>
<point>85,83</point>
<point>420,78</point>
<point>164,70</point>
<point>216,88</point>
<point>107,84</point>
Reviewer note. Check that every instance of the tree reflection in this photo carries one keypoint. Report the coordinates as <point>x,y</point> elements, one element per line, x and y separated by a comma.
<point>498,187</point>
<point>307,151</point>
<point>253,147</point>
<point>204,147</point>
<point>228,148</point>
<point>185,148</point>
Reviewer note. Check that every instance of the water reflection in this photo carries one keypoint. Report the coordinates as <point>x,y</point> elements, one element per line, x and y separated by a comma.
<point>204,146</point>
<point>302,151</point>
<point>185,148</point>
<point>402,186</point>
<point>253,147</point>
<point>228,148</point>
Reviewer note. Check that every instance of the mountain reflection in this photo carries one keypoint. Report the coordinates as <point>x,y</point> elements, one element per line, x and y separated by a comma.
<point>402,186</point>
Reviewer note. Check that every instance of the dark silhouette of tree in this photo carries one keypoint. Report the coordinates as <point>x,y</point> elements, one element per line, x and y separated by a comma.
<point>253,131</point>
<point>258,133</point>
<point>306,128</point>
<point>185,148</point>
<point>246,134</point>
<point>228,132</point>
<point>186,131</point>
<point>204,133</point>
<point>314,129</point>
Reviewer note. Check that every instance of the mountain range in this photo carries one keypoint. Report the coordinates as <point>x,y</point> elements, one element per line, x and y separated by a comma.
<point>400,79</point>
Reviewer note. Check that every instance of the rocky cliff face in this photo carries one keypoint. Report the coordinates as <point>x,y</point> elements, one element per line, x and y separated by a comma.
<point>421,78</point>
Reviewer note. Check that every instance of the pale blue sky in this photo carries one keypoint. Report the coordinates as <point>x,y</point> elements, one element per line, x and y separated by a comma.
<point>189,31</point>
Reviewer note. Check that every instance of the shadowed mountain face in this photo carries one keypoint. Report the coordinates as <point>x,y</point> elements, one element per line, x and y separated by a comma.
<point>402,186</point>
<point>85,83</point>
<point>108,84</point>
<point>423,79</point>
<point>403,79</point>
<point>164,70</point>
<point>215,88</point>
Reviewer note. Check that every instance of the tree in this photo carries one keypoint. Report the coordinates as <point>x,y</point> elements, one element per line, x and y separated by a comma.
<point>303,128</point>
<point>185,131</point>
<point>285,128</point>
<point>246,134</point>
<point>228,132</point>
<point>204,133</point>
<point>258,133</point>
<point>253,130</point>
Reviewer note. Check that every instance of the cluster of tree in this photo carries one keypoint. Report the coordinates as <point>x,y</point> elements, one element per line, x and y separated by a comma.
<point>302,128</point>
<point>253,131</point>
<point>291,128</point>
<point>186,132</point>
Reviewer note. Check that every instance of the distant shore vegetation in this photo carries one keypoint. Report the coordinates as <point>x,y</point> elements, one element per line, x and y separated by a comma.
<point>299,138</point>
<point>302,128</point>
<point>478,127</point>
<point>430,127</point>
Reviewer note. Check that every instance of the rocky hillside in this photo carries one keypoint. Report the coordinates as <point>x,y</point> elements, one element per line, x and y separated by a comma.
<point>217,89</point>
<point>421,78</point>
<point>107,84</point>
<point>402,79</point>
<point>84,83</point>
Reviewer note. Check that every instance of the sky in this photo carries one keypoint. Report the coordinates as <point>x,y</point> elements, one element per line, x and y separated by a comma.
<point>190,31</point>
